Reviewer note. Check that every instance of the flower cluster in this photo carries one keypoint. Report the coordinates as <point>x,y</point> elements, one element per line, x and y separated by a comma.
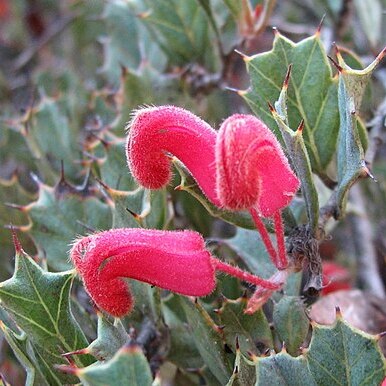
<point>240,167</point>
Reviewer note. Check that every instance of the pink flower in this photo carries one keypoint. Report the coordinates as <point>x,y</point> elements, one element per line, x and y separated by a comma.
<point>253,173</point>
<point>157,131</point>
<point>174,260</point>
<point>243,167</point>
<point>252,170</point>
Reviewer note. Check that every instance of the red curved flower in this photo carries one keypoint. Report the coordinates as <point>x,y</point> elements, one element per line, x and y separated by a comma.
<point>252,170</point>
<point>174,260</point>
<point>156,131</point>
<point>243,167</point>
<point>253,173</point>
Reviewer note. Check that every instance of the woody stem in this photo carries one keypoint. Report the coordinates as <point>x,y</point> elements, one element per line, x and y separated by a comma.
<point>246,276</point>
<point>279,230</point>
<point>260,226</point>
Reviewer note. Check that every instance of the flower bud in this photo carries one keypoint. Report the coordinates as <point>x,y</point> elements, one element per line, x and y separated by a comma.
<point>177,261</point>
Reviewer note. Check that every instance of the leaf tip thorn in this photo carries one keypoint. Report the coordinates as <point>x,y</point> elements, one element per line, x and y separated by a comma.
<point>336,64</point>
<point>245,57</point>
<point>16,241</point>
<point>338,312</point>
<point>287,77</point>
<point>320,25</point>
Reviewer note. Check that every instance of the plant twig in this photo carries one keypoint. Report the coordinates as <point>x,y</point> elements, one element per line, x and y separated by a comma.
<point>51,32</point>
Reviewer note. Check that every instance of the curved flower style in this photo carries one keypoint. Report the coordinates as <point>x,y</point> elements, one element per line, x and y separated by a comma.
<point>174,260</point>
<point>156,131</point>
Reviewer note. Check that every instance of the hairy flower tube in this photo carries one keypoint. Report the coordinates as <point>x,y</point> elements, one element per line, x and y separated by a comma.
<point>173,260</point>
<point>253,173</point>
<point>243,167</point>
<point>157,131</point>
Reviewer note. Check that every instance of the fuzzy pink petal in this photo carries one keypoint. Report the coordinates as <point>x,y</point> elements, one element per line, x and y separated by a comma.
<point>155,131</point>
<point>176,261</point>
<point>252,170</point>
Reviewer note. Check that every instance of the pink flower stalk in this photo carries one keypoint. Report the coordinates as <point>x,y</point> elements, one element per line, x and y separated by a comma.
<point>261,295</point>
<point>174,260</point>
<point>156,131</point>
<point>253,173</point>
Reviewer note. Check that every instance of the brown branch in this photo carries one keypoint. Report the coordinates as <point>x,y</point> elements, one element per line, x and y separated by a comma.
<point>55,28</point>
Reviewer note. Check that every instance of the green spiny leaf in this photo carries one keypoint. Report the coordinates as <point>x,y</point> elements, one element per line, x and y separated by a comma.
<point>249,329</point>
<point>181,30</point>
<point>113,166</point>
<point>208,340</point>
<point>350,157</point>
<point>356,81</point>
<point>181,339</point>
<point>11,192</point>
<point>291,322</point>
<point>59,216</point>
<point>338,355</point>
<point>22,349</point>
<point>128,367</point>
<point>299,156</point>
<point>283,368</point>
<point>39,303</point>
<point>121,46</point>
<point>243,372</point>
<point>111,337</point>
<point>312,93</point>
<point>51,139</point>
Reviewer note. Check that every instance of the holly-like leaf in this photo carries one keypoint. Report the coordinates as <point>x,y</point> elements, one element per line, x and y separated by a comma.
<point>22,349</point>
<point>113,165</point>
<point>128,367</point>
<point>350,157</point>
<point>59,216</point>
<point>181,29</point>
<point>181,339</point>
<point>243,372</point>
<point>338,355</point>
<point>38,301</point>
<point>355,80</point>
<point>312,93</point>
<point>52,140</point>
<point>121,45</point>
<point>208,340</point>
<point>291,322</point>
<point>12,194</point>
<point>298,154</point>
<point>250,330</point>
<point>111,337</point>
